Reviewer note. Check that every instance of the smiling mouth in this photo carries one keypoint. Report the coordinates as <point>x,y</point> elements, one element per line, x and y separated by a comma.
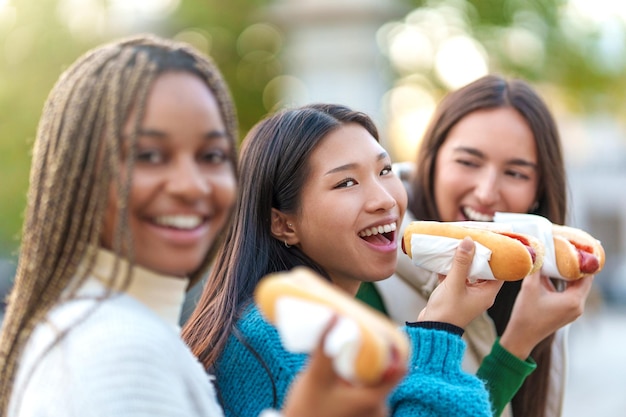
<point>382,234</point>
<point>186,222</point>
<point>474,215</point>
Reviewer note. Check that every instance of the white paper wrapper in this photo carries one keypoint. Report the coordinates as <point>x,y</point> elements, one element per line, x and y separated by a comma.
<point>435,253</point>
<point>301,325</point>
<point>539,227</point>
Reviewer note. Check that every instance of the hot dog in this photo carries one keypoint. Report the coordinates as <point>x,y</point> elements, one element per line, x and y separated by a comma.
<point>577,253</point>
<point>513,255</point>
<point>380,343</point>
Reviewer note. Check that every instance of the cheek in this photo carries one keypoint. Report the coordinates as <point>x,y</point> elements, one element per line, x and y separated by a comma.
<point>225,187</point>
<point>399,193</point>
<point>446,184</point>
<point>520,199</point>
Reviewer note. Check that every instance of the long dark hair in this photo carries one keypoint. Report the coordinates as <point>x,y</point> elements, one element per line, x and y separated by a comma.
<point>76,157</point>
<point>490,92</point>
<point>274,167</point>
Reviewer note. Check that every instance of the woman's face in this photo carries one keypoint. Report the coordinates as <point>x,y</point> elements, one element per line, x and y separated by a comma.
<point>487,163</point>
<point>352,203</point>
<point>183,182</point>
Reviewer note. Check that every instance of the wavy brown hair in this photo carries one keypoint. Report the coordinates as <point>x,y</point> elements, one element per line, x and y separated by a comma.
<point>491,92</point>
<point>76,158</point>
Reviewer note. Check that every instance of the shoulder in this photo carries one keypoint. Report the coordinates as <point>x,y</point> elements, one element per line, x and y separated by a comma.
<point>116,329</point>
<point>255,343</point>
<point>252,331</point>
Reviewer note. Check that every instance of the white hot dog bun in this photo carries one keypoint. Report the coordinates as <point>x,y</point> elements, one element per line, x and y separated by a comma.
<point>381,342</point>
<point>513,255</point>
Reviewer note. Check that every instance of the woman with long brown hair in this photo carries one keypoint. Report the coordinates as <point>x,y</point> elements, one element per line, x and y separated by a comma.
<point>493,146</point>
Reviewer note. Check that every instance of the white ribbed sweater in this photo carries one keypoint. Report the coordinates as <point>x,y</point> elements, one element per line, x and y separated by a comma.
<point>122,357</point>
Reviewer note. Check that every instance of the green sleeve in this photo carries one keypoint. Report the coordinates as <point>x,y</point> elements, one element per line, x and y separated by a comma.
<point>369,295</point>
<point>503,373</point>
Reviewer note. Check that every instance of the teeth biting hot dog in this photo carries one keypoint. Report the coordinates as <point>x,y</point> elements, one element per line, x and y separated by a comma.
<point>513,255</point>
<point>577,252</point>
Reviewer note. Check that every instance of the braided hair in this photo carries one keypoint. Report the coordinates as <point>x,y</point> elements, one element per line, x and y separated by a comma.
<point>76,158</point>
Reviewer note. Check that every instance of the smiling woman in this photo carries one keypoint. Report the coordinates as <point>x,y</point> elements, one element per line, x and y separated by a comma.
<point>493,146</point>
<point>183,182</point>
<point>318,191</point>
<point>96,271</point>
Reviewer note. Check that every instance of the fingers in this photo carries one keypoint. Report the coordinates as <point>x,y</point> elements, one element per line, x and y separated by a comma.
<point>582,285</point>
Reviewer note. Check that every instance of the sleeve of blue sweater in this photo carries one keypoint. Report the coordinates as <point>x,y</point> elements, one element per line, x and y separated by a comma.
<point>256,374</point>
<point>435,384</point>
<point>254,371</point>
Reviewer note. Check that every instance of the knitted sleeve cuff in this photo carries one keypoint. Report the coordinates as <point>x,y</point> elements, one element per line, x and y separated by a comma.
<point>437,325</point>
<point>434,351</point>
<point>505,358</point>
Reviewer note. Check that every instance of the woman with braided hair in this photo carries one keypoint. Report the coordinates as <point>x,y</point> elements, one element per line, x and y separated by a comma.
<point>133,178</point>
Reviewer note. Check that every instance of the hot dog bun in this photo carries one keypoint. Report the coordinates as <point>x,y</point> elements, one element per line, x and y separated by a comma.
<point>511,260</point>
<point>381,341</point>
<point>578,254</point>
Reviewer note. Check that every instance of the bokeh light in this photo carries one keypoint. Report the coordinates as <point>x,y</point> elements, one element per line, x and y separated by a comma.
<point>284,91</point>
<point>199,38</point>
<point>411,104</point>
<point>460,60</point>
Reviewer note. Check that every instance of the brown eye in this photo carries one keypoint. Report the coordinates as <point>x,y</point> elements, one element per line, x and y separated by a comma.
<point>215,156</point>
<point>348,182</point>
<point>149,156</point>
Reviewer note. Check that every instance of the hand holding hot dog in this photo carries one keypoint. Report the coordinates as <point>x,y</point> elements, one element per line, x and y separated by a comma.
<point>320,391</point>
<point>456,300</point>
<point>540,310</point>
<point>513,255</point>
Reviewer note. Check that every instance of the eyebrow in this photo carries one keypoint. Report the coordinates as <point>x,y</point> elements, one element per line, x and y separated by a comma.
<point>475,152</point>
<point>346,167</point>
<point>159,134</point>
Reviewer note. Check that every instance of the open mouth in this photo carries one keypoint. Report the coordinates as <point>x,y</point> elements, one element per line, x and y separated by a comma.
<point>379,235</point>
<point>181,222</point>
<point>475,215</point>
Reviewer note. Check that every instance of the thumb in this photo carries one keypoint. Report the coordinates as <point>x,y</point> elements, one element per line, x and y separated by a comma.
<point>462,261</point>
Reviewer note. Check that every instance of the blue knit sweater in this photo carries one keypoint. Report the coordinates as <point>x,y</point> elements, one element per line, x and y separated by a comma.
<point>434,385</point>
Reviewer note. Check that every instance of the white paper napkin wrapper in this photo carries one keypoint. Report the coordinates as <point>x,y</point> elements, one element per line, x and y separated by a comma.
<point>301,325</point>
<point>435,253</point>
<point>539,227</point>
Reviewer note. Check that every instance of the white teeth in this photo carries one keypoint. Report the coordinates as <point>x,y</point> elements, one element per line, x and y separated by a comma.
<point>179,222</point>
<point>472,214</point>
<point>386,228</point>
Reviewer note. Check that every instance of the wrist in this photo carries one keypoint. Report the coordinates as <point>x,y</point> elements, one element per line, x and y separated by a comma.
<point>516,346</point>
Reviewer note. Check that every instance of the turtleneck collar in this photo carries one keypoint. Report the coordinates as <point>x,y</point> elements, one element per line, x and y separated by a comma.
<point>162,294</point>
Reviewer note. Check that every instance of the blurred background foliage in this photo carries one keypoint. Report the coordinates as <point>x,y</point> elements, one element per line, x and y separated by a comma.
<point>577,46</point>
<point>575,50</point>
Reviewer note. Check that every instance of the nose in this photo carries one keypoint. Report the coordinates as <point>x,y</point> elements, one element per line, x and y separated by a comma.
<point>380,198</point>
<point>187,181</point>
<point>487,189</point>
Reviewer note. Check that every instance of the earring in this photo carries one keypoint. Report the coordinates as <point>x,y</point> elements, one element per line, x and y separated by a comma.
<point>289,224</point>
<point>535,206</point>
<point>287,245</point>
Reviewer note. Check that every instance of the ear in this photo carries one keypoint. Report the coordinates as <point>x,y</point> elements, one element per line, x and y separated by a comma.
<point>283,229</point>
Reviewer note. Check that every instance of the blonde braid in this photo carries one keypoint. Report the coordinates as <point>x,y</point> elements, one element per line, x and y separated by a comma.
<point>76,159</point>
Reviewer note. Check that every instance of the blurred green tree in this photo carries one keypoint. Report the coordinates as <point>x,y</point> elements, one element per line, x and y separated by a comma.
<point>39,39</point>
<point>579,51</point>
